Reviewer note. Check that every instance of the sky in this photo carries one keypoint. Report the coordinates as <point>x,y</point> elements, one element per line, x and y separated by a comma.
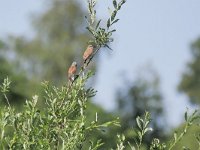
<point>156,33</point>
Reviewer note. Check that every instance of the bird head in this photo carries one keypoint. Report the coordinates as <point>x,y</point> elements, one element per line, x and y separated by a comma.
<point>74,63</point>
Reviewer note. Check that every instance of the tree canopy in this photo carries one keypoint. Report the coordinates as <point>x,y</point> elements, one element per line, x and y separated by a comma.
<point>139,96</point>
<point>190,83</point>
<point>59,39</point>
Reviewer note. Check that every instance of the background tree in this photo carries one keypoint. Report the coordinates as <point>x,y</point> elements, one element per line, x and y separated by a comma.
<point>137,97</point>
<point>59,39</point>
<point>190,83</point>
<point>22,87</point>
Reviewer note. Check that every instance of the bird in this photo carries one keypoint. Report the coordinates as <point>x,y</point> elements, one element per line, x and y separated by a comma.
<point>72,71</point>
<point>88,52</point>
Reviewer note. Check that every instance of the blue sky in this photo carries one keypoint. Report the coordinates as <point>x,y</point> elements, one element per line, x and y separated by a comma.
<point>156,33</point>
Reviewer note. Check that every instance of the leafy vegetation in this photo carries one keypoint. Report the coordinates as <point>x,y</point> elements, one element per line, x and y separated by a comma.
<point>62,122</point>
<point>190,80</point>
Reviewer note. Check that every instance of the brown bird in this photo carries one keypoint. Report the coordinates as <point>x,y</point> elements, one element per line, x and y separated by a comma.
<point>72,71</point>
<point>88,52</point>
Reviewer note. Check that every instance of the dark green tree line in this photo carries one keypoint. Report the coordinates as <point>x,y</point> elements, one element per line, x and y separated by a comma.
<point>190,83</point>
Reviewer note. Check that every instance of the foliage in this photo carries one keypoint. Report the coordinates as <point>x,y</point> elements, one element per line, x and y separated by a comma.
<point>60,125</point>
<point>105,134</point>
<point>142,95</point>
<point>188,140</point>
<point>190,80</point>
<point>18,92</point>
<point>59,38</point>
<point>102,36</point>
<point>189,121</point>
<point>120,144</point>
<point>62,122</point>
<point>143,128</point>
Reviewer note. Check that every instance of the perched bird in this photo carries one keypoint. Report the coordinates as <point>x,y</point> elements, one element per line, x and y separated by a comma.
<point>88,52</point>
<point>72,71</point>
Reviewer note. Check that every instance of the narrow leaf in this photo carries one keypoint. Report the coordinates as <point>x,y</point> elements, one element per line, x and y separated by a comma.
<point>108,23</point>
<point>108,47</point>
<point>148,129</point>
<point>90,30</point>
<point>112,31</point>
<point>98,23</point>
<point>175,136</point>
<point>138,122</point>
<point>139,134</point>
<point>186,116</point>
<point>115,4</point>
<point>90,8</point>
<point>115,21</point>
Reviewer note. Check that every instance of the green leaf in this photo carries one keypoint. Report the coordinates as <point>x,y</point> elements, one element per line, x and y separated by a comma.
<point>175,136</point>
<point>186,116</point>
<point>115,4</point>
<point>108,23</point>
<point>123,137</point>
<point>115,21</point>
<point>123,1</point>
<point>90,8</point>
<point>54,101</point>
<point>90,30</point>
<point>139,134</point>
<point>108,47</point>
<point>112,31</point>
<point>138,122</point>
<point>98,23</point>
<point>148,129</point>
<point>146,124</point>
